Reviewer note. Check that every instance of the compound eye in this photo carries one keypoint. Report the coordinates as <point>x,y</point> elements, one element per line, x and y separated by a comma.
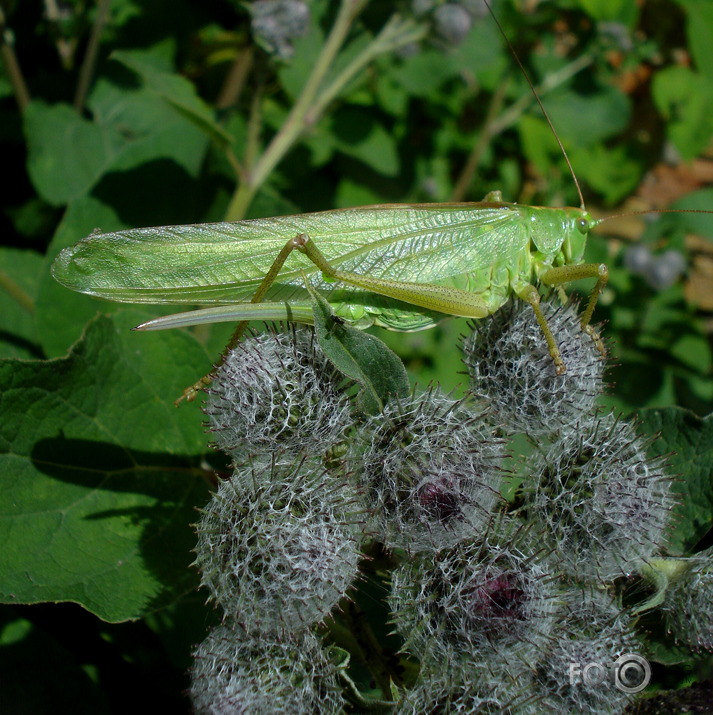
<point>582,225</point>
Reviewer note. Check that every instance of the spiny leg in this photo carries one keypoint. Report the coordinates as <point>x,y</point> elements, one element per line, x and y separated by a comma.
<point>190,393</point>
<point>564,274</point>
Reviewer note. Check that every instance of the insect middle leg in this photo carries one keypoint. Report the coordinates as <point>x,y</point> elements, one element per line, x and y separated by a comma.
<point>530,295</point>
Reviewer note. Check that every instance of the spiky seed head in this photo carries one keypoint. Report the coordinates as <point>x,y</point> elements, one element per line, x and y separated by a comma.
<point>277,390</point>
<point>604,504</point>
<point>276,24</point>
<point>688,605</point>
<point>452,23</point>
<point>277,551</point>
<point>460,695</point>
<point>421,7</point>
<point>430,471</point>
<point>234,673</point>
<point>479,603</point>
<point>576,672</point>
<point>512,370</point>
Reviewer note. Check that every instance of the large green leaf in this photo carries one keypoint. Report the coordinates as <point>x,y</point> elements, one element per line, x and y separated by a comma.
<point>689,440</point>
<point>100,474</point>
<point>685,99</point>
<point>176,90</point>
<point>67,153</point>
<point>61,314</point>
<point>152,129</point>
<point>700,33</point>
<point>19,277</point>
<point>360,136</point>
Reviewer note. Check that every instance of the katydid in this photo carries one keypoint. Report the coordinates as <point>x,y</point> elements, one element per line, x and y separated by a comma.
<point>401,266</point>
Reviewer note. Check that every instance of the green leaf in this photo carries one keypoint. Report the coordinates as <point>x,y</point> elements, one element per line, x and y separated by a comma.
<point>664,650</point>
<point>349,193</point>
<point>67,154</point>
<point>392,97</point>
<point>690,438</point>
<point>694,351</point>
<point>610,171</point>
<point>151,127</point>
<point>100,474</point>
<point>587,119</point>
<point>61,314</point>
<point>175,90</point>
<point>361,357</point>
<point>359,135</point>
<point>537,142</point>
<point>700,223</point>
<point>19,278</point>
<point>699,28</point>
<point>424,72</point>
<point>685,99</point>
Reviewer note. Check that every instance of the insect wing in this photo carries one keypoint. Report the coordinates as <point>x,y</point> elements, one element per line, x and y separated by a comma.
<point>207,264</point>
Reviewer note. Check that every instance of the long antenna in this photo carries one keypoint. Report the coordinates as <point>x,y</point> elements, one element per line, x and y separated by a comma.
<point>646,212</point>
<point>539,102</point>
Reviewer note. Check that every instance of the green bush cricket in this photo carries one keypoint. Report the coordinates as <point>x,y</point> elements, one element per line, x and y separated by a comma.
<point>401,266</point>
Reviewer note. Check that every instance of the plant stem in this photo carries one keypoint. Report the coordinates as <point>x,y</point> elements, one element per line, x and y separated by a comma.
<point>252,143</point>
<point>235,81</point>
<point>17,293</point>
<point>294,124</point>
<point>65,48</point>
<point>495,125</point>
<point>90,57</point>
<point>395,33</point>
<point>12,66</point>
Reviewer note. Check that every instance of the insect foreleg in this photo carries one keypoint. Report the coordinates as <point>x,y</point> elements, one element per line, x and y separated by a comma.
<point>444,299</point>
<point>564,274</point>
<point>529,293</point>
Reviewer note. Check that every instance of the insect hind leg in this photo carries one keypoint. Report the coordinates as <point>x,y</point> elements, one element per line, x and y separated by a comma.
<point>441,298</point>
<point>190,393</point>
